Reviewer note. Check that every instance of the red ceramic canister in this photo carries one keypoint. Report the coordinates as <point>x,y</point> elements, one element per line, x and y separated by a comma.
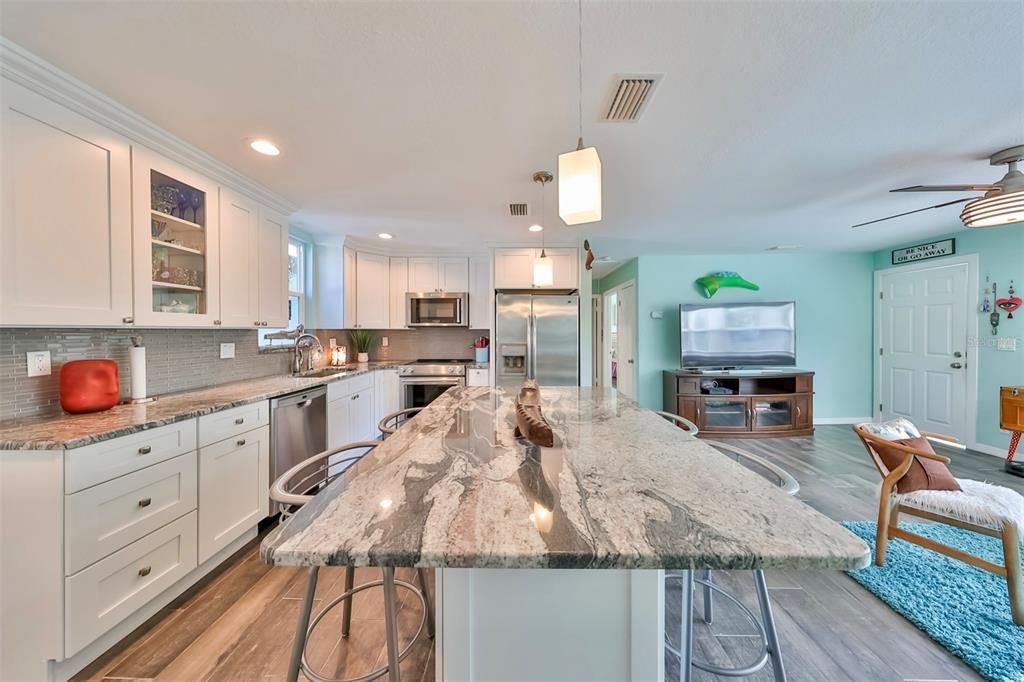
<point>88,386</point>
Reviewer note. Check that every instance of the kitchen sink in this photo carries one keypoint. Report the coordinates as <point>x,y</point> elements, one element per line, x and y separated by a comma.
<point>324,372</point>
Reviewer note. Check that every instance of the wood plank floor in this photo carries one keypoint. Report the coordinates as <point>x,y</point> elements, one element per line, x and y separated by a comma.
<point>239,623</point>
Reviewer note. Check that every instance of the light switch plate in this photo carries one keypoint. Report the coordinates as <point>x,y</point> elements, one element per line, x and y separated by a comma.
<point>1006,343</point>
<point>384,341</point>
<point>227,351</point>
<point>38,363</point>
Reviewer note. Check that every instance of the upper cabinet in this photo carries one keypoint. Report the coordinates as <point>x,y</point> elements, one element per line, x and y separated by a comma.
<point>373,278</point>
<point>239,261</point>
<point>65,220</point>
<point>176,244</point>
<point>438,274</point>
<point>399,287</point>
<point>481,301</point>
<point>273,268</point>
<point>348,287</point>
<point>513,268</point>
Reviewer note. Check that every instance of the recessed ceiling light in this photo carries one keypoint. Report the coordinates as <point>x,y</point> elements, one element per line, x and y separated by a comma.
<point>265,147</point>
<point>384,235</point>
<point>536,228</point>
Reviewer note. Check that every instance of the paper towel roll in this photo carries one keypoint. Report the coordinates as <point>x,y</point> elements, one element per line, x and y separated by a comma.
<point>137,360</point>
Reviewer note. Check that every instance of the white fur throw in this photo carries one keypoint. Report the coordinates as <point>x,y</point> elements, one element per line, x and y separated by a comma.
<point>894,429</point>
<point>982,504</point>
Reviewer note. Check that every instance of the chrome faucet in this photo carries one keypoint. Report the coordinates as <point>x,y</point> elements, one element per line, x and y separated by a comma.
<point>305,344</point>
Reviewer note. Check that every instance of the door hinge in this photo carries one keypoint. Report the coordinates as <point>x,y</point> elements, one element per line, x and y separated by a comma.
<point>881,352</point>
<point>881,294</point>
<point>879,407</point>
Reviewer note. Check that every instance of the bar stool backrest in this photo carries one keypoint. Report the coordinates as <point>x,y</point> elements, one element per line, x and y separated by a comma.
<point>298,485</point>
<point>690,427</point>
<point>786,481</point>
<point>394,421</point>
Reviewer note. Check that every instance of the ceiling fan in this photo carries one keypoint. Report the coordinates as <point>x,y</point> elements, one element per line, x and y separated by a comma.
<point>1002,203</point>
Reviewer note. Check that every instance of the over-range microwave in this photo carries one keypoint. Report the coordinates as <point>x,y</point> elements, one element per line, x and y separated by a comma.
<point>437,309</point>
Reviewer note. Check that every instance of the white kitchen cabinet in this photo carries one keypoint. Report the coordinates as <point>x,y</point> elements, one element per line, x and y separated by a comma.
<point>373,279</point>
<point>273,268</point>
<point>239,261</point>
<point>175,244</point>
<point>233,485</point>
<point>348,267</point>
<point>386,396</point>
<point>65,219</point>
<point>513,268</point>
<point>349,418</point>
<point>423,275</point>
<point>477,377</point>
<point>480,294</point>
<point>438,274</point>
<point>399,287</point>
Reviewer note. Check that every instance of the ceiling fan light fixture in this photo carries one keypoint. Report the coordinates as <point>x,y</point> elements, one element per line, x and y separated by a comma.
<point>993,211</point>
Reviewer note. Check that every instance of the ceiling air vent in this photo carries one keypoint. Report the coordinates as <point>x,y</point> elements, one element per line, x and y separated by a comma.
<point>630,95</point>
<point>519,209</point>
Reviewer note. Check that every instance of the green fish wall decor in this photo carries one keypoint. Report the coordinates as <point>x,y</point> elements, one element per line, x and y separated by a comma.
<point>709,284</point>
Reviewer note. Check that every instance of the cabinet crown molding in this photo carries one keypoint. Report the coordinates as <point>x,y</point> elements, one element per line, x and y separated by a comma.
<point>23,67</point>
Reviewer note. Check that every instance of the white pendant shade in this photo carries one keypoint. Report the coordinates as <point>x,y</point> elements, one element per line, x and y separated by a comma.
<point>579,186</point>
<point>543,271</point>
<point>998,209</point>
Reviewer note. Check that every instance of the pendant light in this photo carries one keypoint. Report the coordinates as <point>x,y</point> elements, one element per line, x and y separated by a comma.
<point>579,172</point>
<point>543,270</point>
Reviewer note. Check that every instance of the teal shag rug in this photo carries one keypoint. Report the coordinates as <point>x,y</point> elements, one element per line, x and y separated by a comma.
<point>965,609</point>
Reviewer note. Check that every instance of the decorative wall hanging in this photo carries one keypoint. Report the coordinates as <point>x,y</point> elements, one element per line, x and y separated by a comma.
<point>710,284</point>
<point>590,255</point>
<point>944,247</point>
<point>1010,303</point>
<point>993,318</point>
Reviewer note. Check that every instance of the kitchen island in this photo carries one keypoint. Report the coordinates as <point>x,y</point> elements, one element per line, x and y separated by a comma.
<point>621,490</point>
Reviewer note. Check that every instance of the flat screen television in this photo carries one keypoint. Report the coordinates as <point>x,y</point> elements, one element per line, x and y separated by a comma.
<point>738,335</point>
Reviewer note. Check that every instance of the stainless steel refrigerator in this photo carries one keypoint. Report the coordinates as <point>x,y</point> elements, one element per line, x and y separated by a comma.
<point>537,336</point>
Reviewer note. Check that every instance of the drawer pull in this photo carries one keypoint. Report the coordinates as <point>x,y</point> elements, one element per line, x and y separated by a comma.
<point>240,442</point>
<point>145,501</point>
<point>355,397</point>
<point>145,450</point>
<point>144,571</point>
<point>240,420</point>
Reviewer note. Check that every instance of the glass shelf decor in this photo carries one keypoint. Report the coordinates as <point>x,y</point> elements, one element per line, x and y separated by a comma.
<point>179,246</point>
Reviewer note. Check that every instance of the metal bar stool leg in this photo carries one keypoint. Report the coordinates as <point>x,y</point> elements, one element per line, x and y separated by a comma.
<point>768,617</point>
<point>421,575</point>
<point>686,628</point>
<point>299,645</point>
<point>391,624</point>
<point>346,608</point>
<point>709,604</point>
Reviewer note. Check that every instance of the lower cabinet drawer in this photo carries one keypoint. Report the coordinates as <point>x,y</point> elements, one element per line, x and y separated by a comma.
<point>101,596</point>
<point>101,520</point>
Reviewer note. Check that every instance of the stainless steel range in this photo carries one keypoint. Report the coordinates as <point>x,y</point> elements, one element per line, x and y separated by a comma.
<point>422,381</point>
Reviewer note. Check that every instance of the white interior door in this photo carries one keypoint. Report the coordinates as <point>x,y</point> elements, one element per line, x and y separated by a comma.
<point>923,355</point>
<point>626,335</point>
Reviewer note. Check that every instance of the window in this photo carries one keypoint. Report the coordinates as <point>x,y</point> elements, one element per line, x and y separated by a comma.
<point>296,294</point>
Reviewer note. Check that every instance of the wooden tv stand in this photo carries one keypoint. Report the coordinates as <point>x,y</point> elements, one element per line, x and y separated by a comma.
<point>757,405</point>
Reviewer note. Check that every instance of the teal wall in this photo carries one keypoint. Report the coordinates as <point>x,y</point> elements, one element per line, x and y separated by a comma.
<point>833,313</point>
<point>623,273</point>
<point>1000,258</point>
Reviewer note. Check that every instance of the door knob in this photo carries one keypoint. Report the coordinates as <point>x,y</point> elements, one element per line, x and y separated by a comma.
<point>955,365</point>
<point>957,354</point>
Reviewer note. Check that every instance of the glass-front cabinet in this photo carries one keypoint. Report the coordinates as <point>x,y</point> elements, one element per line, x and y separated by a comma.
<point>772,413</point>
<point>176,215</point>
<point>724,414</point>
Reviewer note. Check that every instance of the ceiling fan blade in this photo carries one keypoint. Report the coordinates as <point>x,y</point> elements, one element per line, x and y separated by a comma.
<point>946,188</point>
<point>927,208</point>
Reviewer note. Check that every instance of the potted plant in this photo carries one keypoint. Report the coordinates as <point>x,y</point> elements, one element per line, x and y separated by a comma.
<point>362,339</point>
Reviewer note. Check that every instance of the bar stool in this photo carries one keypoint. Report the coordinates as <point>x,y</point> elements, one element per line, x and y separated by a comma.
<point>690,427</point>
<point>291,491</point>
<point>394,421</point>
<point>765,623</point>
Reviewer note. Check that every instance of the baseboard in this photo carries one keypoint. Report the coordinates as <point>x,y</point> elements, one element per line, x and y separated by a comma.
<point>841,420</point>
<point>990,450</point>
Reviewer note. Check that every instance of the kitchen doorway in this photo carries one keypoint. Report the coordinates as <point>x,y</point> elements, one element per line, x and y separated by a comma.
<point>618,359</point>
<point>925,338</point>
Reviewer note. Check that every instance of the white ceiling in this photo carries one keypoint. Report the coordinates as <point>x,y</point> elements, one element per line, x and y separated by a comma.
<point>775,123</point>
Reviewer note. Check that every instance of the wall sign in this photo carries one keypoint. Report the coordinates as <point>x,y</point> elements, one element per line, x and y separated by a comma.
<point>944,247</point>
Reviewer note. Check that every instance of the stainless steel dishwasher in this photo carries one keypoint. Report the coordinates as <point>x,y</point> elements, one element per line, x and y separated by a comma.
<point>298,429</point>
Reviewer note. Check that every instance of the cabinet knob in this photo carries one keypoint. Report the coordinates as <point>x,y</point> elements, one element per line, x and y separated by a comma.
<point>144,571</point>
<point>128,320</point>
<point>145,501</point>
<point>145,450</point>
<point>240,442</point>
<point>257,323</point>
<point>240,420</point>
<point>355,397</point>
<point>216,322</point>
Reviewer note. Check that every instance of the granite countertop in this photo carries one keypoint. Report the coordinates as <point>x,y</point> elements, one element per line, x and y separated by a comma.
<point>621,488</point>
<point>75,430</point>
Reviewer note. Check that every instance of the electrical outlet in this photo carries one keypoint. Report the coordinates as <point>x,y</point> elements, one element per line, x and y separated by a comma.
<point>227,351</point>
<point>38,363</point>
<point>384,341</point>
<point>1006,343</point>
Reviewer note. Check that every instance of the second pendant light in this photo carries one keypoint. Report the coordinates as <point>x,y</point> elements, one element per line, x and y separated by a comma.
<point>543,270</point>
